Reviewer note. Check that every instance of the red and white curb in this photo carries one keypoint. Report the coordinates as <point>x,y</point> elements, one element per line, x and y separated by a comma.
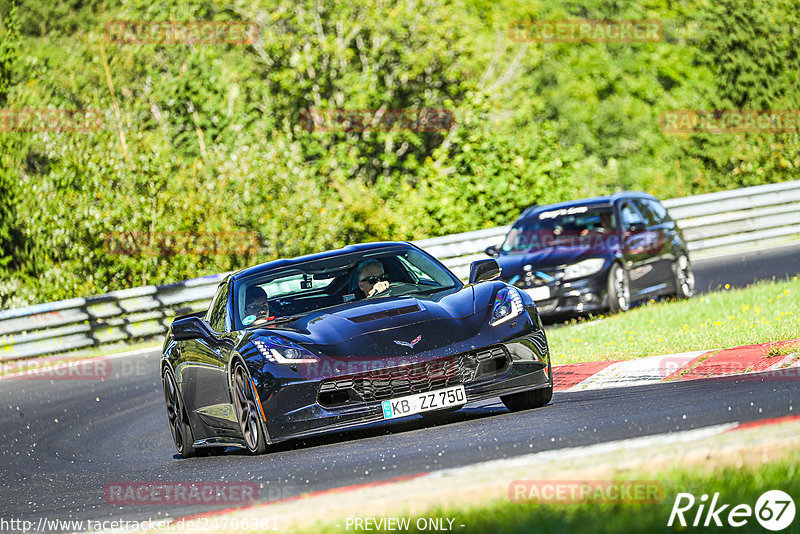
<point>684,366</point>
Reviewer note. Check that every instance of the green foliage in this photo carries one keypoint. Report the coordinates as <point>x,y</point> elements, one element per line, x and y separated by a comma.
<point>214,139</point>
<point>9,43</point>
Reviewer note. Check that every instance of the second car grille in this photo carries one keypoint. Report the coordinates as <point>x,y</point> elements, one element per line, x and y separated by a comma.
<point>413,378</point>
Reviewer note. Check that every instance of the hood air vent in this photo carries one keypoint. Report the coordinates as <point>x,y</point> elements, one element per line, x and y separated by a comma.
<point>384,314</point>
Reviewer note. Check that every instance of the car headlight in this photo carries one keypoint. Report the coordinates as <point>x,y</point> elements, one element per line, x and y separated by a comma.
<point>584,268</point>
<point>507,305</point>
<point>279,350</point>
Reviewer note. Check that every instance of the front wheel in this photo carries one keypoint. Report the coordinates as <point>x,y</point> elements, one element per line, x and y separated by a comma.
<point>528,399</point>
<point>176,417</point>
<point>684,277</point>
<point>619,290</point>
<point>247,411</point>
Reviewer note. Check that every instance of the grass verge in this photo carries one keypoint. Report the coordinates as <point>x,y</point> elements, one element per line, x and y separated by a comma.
<point>761,313</point>
<point>735,485</point>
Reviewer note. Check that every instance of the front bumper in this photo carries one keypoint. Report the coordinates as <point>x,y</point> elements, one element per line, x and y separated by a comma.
<point>297,409</point>
<point>582,295</point>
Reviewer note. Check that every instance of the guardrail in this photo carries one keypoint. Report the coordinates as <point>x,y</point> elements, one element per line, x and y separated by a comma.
<point>711,223</point>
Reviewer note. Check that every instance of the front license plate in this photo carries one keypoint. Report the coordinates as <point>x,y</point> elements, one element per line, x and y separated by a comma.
<point>539,293</point>
<point>424,402</point>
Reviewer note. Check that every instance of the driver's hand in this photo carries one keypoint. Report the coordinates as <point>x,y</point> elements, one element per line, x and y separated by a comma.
<point>378,288</point>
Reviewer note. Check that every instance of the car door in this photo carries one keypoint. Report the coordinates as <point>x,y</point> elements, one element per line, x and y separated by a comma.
<point>204,387</point>
<point>664,231</point>
<point>636,244</point>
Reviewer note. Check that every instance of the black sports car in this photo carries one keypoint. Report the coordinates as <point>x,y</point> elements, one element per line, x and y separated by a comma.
<point>596,254</point>
<point>334,340</point>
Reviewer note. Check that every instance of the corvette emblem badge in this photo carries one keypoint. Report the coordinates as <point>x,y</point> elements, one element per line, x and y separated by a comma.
<point>409,344</point>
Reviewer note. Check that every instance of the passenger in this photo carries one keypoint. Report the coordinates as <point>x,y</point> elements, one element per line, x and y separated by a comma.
<point>607,223</point>
<point>371,278</point>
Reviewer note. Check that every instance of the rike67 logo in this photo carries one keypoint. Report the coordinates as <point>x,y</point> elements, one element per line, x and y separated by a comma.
<point>774,511</point>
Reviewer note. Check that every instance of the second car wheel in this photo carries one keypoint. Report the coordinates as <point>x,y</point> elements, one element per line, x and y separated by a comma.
<point>684,277</point>
<point>176,416</point>
<point>247,410</point>
<point>619,291</point>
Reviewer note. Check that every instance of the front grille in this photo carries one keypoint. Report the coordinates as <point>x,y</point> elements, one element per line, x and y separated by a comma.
<point>413,378</point>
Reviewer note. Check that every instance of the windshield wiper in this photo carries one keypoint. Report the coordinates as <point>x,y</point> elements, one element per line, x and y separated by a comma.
<point>287,318</point>
<point>279,320</point>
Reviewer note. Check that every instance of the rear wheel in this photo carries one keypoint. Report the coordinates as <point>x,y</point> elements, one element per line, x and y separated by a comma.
<point>247,411</point>
<point>528,399</point>
<point>619,290</point>
<point>684,277</point>
<point>176,417</point>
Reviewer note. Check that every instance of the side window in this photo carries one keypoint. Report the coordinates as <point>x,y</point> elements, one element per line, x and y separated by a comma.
<point>217,312</point>
<point>649,215</point>
<point>659,210</point>
<point>630,215</point>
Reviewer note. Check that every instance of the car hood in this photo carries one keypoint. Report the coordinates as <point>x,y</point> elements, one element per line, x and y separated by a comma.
<point>546,258</point>
<point>371,328</point>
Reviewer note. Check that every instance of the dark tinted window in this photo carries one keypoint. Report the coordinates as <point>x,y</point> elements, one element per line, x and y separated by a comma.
<point>216,314</point>
<point>562,226</point>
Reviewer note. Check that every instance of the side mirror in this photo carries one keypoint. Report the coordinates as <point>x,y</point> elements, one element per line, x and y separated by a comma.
<point>492,251</point>
<point>190,328</point>
<point>635,228</point>
<point>483,270</point>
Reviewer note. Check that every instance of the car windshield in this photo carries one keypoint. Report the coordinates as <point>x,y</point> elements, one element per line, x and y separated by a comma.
<point>282,294</point>
<point>570,227</point>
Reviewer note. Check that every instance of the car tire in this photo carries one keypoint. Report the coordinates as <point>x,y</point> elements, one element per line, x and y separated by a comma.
<point>619,289</point>
<point>176,417</point>
<point>528,399</point>
<point>684,277</point>
<point>247,410</point>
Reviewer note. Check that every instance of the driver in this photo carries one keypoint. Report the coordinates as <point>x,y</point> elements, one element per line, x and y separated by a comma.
<point>371,278</point>
<point>256,305</point>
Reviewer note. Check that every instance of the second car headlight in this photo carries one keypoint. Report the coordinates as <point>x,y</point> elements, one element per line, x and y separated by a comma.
<point>584,268</point>
<point>507,305</point>
<point>279,350</point>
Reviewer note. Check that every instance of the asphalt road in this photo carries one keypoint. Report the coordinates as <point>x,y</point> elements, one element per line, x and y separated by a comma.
<point>64,440</point>
<point>741,269</point>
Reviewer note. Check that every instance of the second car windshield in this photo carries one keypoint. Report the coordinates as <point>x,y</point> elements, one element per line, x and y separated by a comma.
<point>573,226</point>
<point>306,287</point>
